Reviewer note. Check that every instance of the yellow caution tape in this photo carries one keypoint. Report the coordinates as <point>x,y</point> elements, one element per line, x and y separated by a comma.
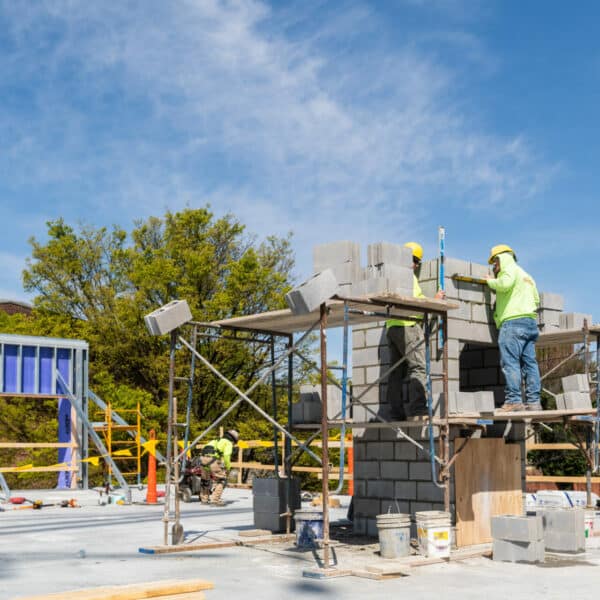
<point>124,452</point>
<point>94,460</point>
<point>24,467</point>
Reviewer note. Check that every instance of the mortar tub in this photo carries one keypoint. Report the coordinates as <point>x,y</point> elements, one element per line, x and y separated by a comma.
<point>394,534</point>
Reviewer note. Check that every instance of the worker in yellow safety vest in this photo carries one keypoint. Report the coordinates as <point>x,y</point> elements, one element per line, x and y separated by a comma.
<point>406,392</point>
<point>517,301</point>
<point>216,462</point>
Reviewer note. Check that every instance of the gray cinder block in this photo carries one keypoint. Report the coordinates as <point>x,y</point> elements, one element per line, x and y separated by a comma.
<point>549,318</point>
<point>347,272</point>
<point>574,320</point>
<point>554,302</point>
<point>576,383</point>
<point>484,401</point>
<point>168,317</point>
<point>518,528</point>
<point>312,293</point>
<point>479,271</point>
<point>564,529</point>
<point>560,402</point>
<point>521,552</point>
<point>466,402</point>
<point>577,400</point>
<point>453,266</point>
<point>384,252</point>
<point>310,396</point>
<point>380,285</point>
<point>335,253</point>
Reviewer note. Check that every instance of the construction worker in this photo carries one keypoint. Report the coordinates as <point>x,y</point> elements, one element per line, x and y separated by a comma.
<point>216,461</point>
<point>517,300</point>
<point>405,338</point>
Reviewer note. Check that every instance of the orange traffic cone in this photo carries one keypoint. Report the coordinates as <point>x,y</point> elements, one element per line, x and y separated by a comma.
<point>151,495</point>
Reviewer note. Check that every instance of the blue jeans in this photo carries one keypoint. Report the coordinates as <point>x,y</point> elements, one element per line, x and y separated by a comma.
<point>516,341</point>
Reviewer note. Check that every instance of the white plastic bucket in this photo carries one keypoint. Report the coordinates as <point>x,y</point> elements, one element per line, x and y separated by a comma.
<point>433,533</point>
<point>394,534</point>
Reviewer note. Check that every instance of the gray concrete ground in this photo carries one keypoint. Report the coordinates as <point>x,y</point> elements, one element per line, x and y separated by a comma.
<point>59,549</point>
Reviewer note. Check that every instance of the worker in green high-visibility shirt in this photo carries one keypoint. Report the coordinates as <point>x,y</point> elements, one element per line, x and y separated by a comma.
<point>517,301</point>
<point>407,383</point>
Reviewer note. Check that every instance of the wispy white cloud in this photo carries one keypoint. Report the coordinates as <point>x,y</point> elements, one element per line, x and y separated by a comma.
<point>141,106</point>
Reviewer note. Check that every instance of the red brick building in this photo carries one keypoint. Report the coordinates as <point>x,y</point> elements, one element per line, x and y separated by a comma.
<point>15,306</point>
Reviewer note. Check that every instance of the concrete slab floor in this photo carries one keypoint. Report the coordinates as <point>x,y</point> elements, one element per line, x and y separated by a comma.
<point>59,549</point>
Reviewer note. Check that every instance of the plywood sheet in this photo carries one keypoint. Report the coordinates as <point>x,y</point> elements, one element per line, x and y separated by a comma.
<point>488,483</point>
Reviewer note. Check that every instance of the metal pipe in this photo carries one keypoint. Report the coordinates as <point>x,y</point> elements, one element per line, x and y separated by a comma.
<point>169,463</point>
<point>243,396</point>
<point>446,418</point>
<point>441,281</point>
<point>188,408</point>
<point>274,409</point>
<point>434,477</point>
<point>340,485</point>
<point>324,434</point>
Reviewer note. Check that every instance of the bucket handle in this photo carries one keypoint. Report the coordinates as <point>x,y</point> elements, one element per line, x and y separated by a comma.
<point>397,507</point>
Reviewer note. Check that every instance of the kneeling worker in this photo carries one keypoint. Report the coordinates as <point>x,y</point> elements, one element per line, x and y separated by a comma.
<point>517,300</point>
<point>405,338</point>
<point>216,460</point>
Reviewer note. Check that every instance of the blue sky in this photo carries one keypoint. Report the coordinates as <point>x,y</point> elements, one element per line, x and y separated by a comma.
<point>371,121</point>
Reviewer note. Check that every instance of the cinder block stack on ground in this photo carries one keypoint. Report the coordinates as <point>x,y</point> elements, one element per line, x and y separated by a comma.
<point>564,529</point>
<point>518,538</point>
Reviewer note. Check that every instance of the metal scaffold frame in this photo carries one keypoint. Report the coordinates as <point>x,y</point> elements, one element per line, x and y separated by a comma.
<point>283,325</point>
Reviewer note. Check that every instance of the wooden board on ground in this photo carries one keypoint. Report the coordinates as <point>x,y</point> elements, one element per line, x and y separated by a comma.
<point>488,483</point>
<point>136,591</point>
<point>255,533</point>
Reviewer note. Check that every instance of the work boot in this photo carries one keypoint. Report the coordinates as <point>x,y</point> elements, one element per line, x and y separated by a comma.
<point>215,497</point>
<point>510,407</point>
<point>533,406</point>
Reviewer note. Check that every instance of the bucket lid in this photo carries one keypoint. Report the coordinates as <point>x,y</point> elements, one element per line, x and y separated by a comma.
<point>307,513</point>
<point>393,517</point>
<point>432,514</point>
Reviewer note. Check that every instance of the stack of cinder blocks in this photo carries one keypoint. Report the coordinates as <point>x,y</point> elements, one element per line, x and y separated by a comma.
<point>576,393</point>
<point>343,258</point>
<point>309,407</point>
<point>518,538</point>
<point>389,270</point>
<point>564,529</point>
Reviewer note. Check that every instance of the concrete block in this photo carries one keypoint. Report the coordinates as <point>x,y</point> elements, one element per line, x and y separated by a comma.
<point>471,358</point>
<point>380,285</point>
<point>549,318</point>
<point>518,528</point>
<point>347,272</point>
<point>430,269</point>
<point>380,451</point>
<point>560,402</point>
<point>478,270</point>
<point>364,507</point>
<point>405,451</point>
<point>310,395</point>
<point>312,293</point>
<point>471,332</point>
<point>554,302</point>
<point>451,289</point>
<point>481,313</point>
<point>429,288</point>
<point>168,317</point>
<point>520,552</point>
<point>395,470</point>
<point>364,469</point>
<point>358,337</point>
<point>364,357</point>
<point>335,253</point>
<point>484,401</point>
<point>380,489</point>
<point>453,406</point>
<point>345,290</point>
<point>463,311</point>
<point>576,383</point>
<point>564,529</point>
<point>419,471</point>
<point>429,492</point>
<point>375,337</point>
<point>384,252</point>
<point>471,292</point>
<point>577,400</point>
<point>453,266</point>
<point>406,490</point>
<point>466,402</point>
<point>574,320</point>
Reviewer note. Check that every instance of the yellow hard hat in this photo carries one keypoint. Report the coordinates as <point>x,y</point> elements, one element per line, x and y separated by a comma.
<point>499,249</point>
<point>417,249</point>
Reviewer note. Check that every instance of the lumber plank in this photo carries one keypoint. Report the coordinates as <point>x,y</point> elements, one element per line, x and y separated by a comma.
<point>134,591</point>
<point>270,539</point>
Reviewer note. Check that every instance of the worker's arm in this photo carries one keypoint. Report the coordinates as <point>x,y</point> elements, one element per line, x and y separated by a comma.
<point>505,280</point>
